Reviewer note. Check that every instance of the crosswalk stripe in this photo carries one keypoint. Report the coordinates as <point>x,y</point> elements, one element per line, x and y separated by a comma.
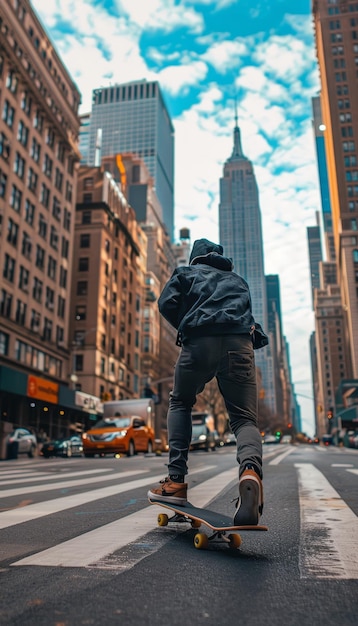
<point>68,483</point>
<point>280,458</point>
<point>93,546</point>
<point>40,509</point>
<point>329,528</point>
<point>51,476</point>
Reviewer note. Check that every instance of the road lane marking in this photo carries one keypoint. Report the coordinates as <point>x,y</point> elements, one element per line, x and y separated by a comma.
<point>51,476</point>
<point>114,536</point>
<point>353,471</point>
<point>7,493</point>
<point>329,529</point>
<point>342,465</point>
<point>40,509</point>
<point>280,458</point>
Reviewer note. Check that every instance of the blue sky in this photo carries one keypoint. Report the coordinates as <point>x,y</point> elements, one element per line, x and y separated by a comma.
<point>206,53</point>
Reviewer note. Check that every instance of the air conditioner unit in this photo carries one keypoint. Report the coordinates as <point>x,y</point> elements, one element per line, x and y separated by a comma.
<point>51,306</point>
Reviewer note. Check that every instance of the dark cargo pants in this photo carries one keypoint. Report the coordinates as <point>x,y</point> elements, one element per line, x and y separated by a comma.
<point>229,358</point>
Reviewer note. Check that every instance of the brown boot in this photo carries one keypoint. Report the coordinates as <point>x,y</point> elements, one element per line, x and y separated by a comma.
<point>170,492</point>
<point>251,499</point>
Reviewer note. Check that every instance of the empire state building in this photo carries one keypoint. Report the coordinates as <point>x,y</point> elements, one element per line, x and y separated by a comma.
<point>241,237</point>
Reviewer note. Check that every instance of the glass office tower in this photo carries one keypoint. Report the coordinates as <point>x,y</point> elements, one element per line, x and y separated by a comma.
<point>133,117</point>
<point>241,236</point>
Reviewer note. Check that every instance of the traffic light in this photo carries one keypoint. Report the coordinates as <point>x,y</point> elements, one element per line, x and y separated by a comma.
<point>329,415</point>
<point>278,434</point>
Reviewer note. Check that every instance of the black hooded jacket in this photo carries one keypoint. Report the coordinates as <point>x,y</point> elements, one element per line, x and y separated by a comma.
<point>207,297</point>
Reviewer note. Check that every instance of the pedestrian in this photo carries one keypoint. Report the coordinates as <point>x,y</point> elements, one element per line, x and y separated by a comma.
<point>210,306</point>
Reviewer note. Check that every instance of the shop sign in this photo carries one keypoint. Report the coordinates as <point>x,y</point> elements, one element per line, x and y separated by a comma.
<point>88,403</point>
<point>42,389</point>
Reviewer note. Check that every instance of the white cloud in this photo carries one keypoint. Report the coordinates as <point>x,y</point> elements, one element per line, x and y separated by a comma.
<point>178,78</point>
<point>163,15</point>
<point>225,55</point>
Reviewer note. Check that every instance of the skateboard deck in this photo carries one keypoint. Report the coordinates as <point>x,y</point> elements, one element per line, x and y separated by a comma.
<point>222,528</point>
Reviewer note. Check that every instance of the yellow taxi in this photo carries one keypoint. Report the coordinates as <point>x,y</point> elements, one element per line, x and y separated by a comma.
<point>127,434</point>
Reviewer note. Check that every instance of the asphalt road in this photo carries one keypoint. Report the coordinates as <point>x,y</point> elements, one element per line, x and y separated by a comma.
<point>79,543</point>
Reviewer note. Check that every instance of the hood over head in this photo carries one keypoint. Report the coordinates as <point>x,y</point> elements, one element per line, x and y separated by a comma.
<point>209,253</point>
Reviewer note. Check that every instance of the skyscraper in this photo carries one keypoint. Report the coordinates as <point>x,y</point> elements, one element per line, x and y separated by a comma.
<point>336,35</point>
<point>133,117</point>
<point>241,236</point>
<point>315,255</point>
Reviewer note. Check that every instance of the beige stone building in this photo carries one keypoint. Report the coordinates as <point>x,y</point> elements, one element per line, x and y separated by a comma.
<point>38,159</point>
<point>336,35</point>
<point>108,289</point>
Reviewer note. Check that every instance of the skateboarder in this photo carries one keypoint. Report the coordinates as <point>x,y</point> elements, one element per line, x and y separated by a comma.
<point>210,306</point>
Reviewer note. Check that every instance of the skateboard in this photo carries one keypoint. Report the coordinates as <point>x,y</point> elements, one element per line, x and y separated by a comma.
<point>221,526</point>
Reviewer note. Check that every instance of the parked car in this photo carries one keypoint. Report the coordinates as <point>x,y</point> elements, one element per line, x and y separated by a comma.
<point>202,438</point>
<point>126,434</point>
<point>270,439</point>
<point>286,439</point>
<point>352,437</point>
<point>67,447</point>
<point>21,441</point>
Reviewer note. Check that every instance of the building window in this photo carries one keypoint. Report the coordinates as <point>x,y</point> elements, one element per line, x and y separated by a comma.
<point>51,268</point>
<point>54,238</point>
<point>19,165</point>
<point>65,246</point>
<point>85,241</point>
<point>80,313</point>
<point>23,278</point>
<point>38,121</point>
<point>29,212</point>
<point>63,277</point>
<point>16,199</point>
<point>67,220</point>
<point>4,344</point>
<point>58,180</point>
<point>20,314</point>
<point>35,150</point>
<point>45,196</point>
<point>82,288</point>
<point>83,264</point>
<point>22,134</point>
<point>3,182</point>
<point>26,103</point>
<point>12,232</point>
<point>8,114</point>
<point>5,303</point>
<point>26,247</point>
<point>86,217</point>
<point>9,268</point>
<point>56,208</point>
<point>32,179</point>
<point>42,227</point>
<point>61,307</point>
<point>47,166</point>
<point>37,289</point>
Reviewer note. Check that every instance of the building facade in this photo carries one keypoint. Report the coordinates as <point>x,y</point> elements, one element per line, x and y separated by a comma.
<point>336,36</point>
<point>107,293</point>
<point>133,118</point>
<point>38,172</point>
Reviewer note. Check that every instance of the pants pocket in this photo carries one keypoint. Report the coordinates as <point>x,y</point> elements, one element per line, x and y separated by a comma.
<point>242,366</point>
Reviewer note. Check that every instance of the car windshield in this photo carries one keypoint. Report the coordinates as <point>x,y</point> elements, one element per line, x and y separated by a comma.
<point>199,429</point>
<point>116,422</point>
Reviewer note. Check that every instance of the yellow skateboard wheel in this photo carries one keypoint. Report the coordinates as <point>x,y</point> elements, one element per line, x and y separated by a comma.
<point>201,541</point>
<point>162,519</point>
<point>235,541</point>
